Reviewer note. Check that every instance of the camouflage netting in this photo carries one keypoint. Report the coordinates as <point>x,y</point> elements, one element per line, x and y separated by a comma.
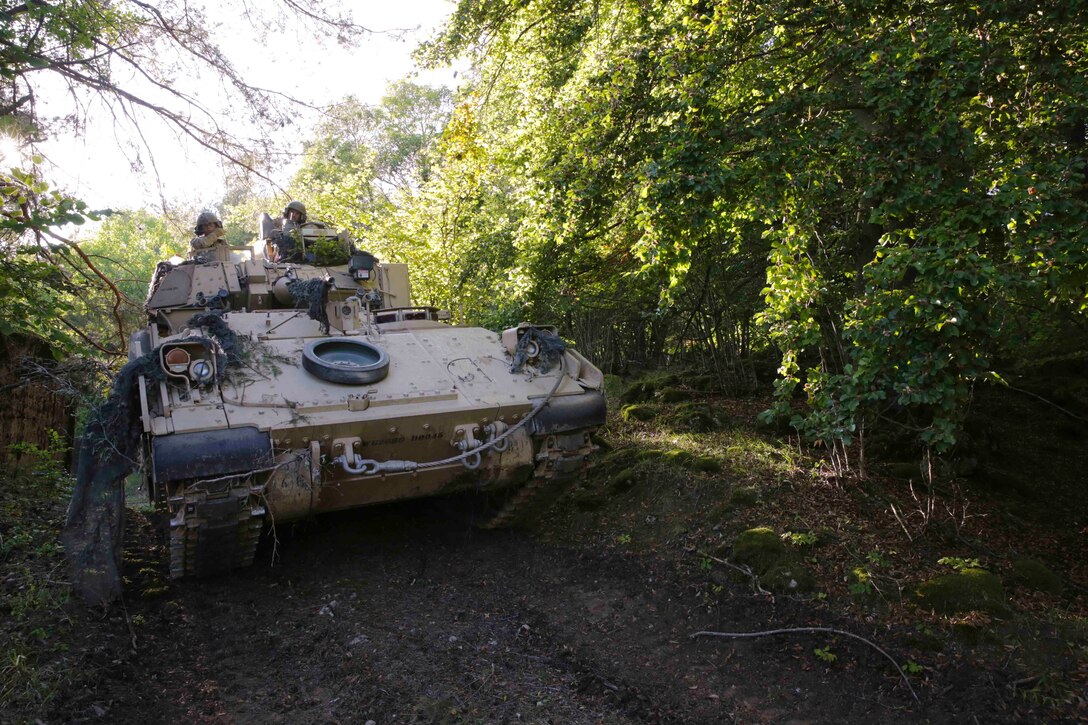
<point>109,452</point>
<point>93,531</point>
<point>314,293</point>
<point>549,345</point>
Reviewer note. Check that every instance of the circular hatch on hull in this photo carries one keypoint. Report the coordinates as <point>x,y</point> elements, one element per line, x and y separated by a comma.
<point>347,361</point>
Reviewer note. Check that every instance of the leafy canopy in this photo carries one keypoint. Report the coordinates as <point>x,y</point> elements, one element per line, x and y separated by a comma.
<point>910,177</point>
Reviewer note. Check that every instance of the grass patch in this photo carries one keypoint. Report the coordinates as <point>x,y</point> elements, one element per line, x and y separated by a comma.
<point>747,451</point>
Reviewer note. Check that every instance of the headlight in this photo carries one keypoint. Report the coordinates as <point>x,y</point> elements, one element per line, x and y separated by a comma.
<point>202,372</point>
<point>176,361</point>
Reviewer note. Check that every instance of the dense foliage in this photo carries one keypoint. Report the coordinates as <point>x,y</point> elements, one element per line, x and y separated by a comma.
<point>907,183</point>
<point>888,199</point>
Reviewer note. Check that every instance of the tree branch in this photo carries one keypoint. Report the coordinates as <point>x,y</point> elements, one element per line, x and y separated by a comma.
<point>809,630</point>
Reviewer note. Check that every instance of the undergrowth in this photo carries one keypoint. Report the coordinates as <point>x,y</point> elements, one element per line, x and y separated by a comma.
<point>34,590</point>
<point>873,545</point>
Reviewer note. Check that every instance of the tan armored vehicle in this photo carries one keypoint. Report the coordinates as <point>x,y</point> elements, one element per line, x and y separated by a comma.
<point>281,390</point>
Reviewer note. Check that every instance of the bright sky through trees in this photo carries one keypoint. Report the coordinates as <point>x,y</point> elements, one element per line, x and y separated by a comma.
<point>98,165</point>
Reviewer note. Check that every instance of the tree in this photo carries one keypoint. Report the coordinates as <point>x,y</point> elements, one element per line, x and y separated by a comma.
<point>125,249</point>
<point>912,177</point>
<point>367,171</point>
<point>88,46</point>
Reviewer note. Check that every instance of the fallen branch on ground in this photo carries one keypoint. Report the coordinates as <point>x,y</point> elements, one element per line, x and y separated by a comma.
<point>745,570</point>
<point>830,630</point>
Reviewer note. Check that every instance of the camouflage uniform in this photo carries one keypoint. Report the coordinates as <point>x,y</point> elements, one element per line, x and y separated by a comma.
<point>286,239</point>
<point>209,232</point>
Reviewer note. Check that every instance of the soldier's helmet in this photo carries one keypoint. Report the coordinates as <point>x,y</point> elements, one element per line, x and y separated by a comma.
<point>206,217</point>
<point>296,206</point>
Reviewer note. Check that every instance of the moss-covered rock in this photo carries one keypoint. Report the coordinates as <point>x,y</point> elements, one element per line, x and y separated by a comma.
<point>638,412</point>
<point>674,395</point>
<point>694,417</point>
<point>760,548</point>
<point>790,577</point>
<point>678,456</point>
<point>623,480</point>
<point>707,383</point>
<point>638,392</point>
<point>705,464</point>
<point>1034,574</point>
<point>964,591</point>
<point>665,380</point>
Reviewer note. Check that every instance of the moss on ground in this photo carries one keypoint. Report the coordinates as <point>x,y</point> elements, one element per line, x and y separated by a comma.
<point>588,498</point>
<point>707,383</point>
<point>666,380</point>
<point>638,392</point>
<point>695,418</point>
<point>973,635</point>
<point>1033,574</point>
<point>623,480</point>
<point>638,412</point>
<point>762,550</point>
<point>925,641</point>
<point>678,456</point>
<point>616,459</point>
<point>645,388</point>
<point>674,395</point>
<point>744,496</point>
<point>965,591</point>
<point>705,464</point>
<point>767,478</point>
<point>759,548</point>
<point>682,458</point>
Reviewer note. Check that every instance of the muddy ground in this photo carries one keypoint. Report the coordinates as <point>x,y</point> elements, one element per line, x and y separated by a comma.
<point>404,614</point>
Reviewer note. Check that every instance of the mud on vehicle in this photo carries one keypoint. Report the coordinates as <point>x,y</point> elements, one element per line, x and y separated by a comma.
<point>286,390</point>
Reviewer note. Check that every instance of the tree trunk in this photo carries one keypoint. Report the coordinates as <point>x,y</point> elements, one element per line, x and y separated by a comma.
<point>30,412</point>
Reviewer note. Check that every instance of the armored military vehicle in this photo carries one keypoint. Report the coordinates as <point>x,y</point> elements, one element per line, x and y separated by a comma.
<point>281,390</point>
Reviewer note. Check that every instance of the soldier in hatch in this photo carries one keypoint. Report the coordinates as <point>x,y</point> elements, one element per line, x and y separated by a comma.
<point>209,232</point>
<point>286,240</point>
<point>294,215</point>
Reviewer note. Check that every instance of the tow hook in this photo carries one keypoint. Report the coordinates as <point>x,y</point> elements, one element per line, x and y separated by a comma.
<point>493,431</point>
<point>467,442</point>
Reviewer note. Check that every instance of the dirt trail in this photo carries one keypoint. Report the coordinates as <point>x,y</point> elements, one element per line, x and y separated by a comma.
<point>398,615</point>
